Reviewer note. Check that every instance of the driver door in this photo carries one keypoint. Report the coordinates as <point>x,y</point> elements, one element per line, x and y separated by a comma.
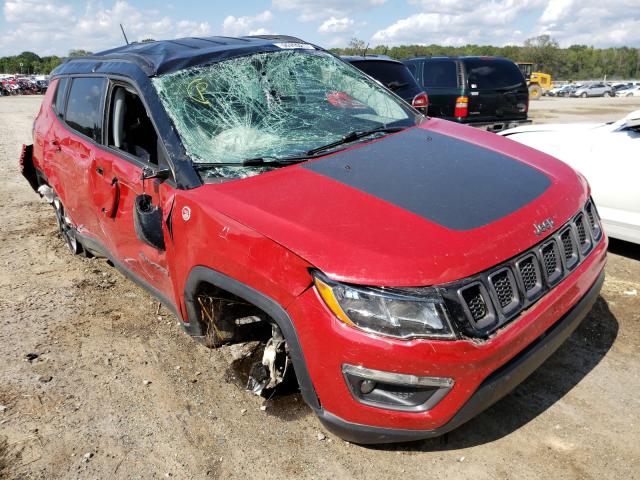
<point>132,145</point>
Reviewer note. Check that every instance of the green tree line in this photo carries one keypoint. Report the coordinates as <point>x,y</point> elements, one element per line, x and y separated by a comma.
<point>577,62</point>
<point>28,63</point>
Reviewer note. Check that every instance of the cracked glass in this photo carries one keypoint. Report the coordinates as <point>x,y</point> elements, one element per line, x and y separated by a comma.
<point>273,106</point>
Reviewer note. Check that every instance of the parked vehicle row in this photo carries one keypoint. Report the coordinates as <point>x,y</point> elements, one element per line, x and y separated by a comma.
<point>594,89</point>
<point>630,91</point>
<point>12,85</point>
<point>411,271</point>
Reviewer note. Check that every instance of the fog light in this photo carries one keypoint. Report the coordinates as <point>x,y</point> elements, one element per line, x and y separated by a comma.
<point>367,386</point>
<point>395,391</point>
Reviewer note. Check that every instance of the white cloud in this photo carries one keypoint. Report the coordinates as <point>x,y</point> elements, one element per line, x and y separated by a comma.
<point>311,10</point>
<point>592,22</point>
<point>188,28</point>
<point>500,22</point>
<point>25,11</point>
<point>50,27</point>
<point>336,25</point>
<point>556,10</point>
<point>456,23</point>
<point>236,26</point>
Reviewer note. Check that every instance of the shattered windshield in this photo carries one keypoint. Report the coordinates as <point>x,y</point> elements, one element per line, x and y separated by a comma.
<point>273,106</point>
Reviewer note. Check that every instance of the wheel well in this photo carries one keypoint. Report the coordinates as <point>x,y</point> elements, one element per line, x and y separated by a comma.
<point>229,289</point>
<point>224,317</point>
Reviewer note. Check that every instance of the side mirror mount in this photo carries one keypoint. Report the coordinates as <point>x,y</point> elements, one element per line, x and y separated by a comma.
<point>161,174</point>
<point>147,221</point>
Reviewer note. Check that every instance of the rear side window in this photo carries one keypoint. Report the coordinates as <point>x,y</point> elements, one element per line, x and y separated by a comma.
<point>492,74</point>
<point>413,69</point>
<point>441,74</point>
<point>84,106</point>
<point>58,102</point>
<point>387,72</point>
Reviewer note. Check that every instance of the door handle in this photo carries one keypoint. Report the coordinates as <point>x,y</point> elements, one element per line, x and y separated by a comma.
<point>99,171</point>
<point>110,210</point>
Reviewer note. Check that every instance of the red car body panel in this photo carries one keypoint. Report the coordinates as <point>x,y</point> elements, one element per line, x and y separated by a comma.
<point>269,230</point>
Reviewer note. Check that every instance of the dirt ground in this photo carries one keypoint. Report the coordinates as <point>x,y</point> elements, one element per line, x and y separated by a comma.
<point>116,390</point>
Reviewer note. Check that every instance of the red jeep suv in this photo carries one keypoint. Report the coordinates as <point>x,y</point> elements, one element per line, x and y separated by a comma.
<point>410,271</point>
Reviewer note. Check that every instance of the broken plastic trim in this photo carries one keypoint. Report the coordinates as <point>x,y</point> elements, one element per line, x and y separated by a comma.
<point>271,371</point>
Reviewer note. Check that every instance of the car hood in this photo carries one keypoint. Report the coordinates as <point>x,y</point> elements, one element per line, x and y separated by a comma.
<point>552,127</point>
<point>428,205</point>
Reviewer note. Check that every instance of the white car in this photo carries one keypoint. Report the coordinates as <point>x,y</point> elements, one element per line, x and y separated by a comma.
<point>629,92</point>
<point>608,155</point>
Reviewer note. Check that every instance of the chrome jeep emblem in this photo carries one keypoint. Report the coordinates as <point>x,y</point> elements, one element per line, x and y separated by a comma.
<point>538,228</point>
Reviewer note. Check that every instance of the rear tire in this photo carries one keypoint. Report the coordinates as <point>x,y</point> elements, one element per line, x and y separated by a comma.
<point>67,231</point>
<point>535,92</point>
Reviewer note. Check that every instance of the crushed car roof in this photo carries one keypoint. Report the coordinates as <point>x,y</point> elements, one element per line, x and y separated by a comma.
<point>167,56</point>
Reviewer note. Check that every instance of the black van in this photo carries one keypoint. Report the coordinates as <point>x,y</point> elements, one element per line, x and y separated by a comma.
<point>488,92</point>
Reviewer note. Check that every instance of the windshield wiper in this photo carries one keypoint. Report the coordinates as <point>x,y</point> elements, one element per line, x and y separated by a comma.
<point>254,162</point>
<point>352,137</point>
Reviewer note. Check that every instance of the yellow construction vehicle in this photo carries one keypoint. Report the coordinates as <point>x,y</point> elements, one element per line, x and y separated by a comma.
<point>537,82</point>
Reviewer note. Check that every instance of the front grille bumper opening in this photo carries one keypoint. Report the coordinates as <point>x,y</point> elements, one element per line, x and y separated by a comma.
<point>481,304</point>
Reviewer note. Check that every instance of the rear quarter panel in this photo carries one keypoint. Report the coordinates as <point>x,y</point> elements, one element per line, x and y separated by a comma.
<point>42,126</point>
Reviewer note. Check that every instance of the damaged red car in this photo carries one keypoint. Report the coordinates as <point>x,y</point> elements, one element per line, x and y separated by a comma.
<point>409,271</point>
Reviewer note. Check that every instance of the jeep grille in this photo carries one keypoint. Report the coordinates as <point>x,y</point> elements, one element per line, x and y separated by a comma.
<point>484,302</point>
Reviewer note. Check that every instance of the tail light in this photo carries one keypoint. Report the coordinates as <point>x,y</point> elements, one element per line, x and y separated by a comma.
<point>421,102</point>
<point>462,107</point>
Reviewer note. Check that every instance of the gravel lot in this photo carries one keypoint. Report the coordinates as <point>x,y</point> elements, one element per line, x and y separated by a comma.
<point>116,390</point>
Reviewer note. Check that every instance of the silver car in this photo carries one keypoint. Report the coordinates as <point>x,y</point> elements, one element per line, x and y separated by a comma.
<point>593,90</point>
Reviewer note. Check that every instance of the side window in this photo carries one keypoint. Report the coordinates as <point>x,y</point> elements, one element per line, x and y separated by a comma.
<point>58,101</point>
<point>440,74</point>
<point>84,106</point>
<point>130,128</point>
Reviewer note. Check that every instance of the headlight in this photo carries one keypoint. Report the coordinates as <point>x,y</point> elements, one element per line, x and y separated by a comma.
<point>392,312</point>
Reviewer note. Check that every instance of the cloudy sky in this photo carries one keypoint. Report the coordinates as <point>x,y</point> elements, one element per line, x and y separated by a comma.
<point>56,26</point>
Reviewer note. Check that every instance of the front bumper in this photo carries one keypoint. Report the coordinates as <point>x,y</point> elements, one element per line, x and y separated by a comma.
<point>483,371</point>
<point>492,389</point>
<point>498,125</point>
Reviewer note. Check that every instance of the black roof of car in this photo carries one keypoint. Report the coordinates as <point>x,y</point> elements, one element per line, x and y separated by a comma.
<point>364,58</point>
<point>167,56</point>
<point>457,57</point>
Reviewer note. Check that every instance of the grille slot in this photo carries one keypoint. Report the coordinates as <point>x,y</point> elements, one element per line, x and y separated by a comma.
<point>528,273</point>
<point>550,259</point>
<point>584,239</point>
<point>504,291</point>
<point>570,251</point>
<point>475,302</point>
<point>551,262</point>
<point>594,223</point>
<point>582,233</point>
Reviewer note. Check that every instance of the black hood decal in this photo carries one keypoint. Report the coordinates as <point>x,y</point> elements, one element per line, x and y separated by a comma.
<point>445,180</point>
